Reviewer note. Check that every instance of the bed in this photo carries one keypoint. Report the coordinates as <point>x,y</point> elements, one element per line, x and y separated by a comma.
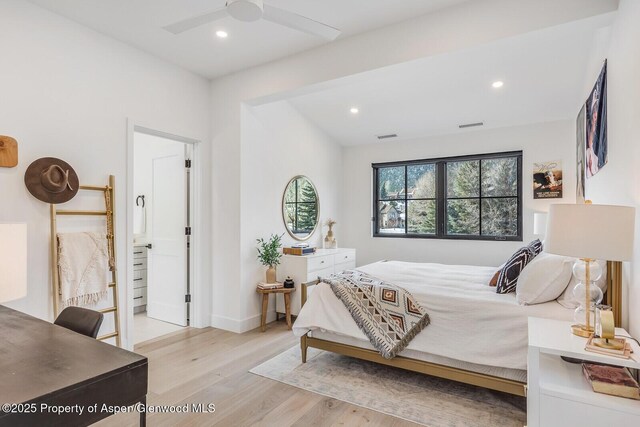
<point>476,336</point>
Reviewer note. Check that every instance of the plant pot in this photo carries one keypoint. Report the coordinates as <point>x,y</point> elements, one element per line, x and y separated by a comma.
<point>271,275</point>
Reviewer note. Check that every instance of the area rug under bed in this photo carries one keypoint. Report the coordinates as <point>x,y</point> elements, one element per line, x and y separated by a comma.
<point>426,400</point>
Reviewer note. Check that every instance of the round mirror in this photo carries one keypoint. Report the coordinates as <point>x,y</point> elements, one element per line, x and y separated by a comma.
<point>300,208</point>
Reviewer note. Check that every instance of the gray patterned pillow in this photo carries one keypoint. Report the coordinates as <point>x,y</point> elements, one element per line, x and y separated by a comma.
<point>536,247</point>
<point>508,277</point>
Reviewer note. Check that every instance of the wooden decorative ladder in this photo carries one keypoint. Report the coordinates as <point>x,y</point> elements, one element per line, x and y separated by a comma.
<point>108,213</point>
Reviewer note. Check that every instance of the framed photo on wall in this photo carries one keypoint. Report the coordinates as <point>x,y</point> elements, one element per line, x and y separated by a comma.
<point>596,149</point>
<point>547,180</point>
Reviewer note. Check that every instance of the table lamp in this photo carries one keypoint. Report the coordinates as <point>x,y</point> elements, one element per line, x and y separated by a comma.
<point>13,262</point>
<point>589,232</point>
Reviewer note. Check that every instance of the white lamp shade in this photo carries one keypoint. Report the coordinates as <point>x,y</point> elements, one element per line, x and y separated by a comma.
<point>13,261</point>
<point>591,231</point>
<point>539,223</point>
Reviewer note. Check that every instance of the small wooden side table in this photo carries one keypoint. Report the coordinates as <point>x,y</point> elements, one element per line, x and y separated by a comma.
<point>265,304</point>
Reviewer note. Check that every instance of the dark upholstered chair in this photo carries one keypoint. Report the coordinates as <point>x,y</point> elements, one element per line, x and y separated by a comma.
<point>81,320</point>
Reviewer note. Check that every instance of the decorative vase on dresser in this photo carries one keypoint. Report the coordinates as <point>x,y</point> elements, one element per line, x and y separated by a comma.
<point>307,268</point>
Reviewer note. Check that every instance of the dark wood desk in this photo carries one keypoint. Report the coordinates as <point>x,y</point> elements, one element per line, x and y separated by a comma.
<point>50,366</point>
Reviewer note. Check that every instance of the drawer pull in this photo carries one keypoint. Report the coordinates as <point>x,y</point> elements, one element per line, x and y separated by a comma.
<point>321,262</point>
<point>137,280</point>
<point>137,265</point>
<point>346,256</point>
<point>140,297</point>
<point>135,253</point>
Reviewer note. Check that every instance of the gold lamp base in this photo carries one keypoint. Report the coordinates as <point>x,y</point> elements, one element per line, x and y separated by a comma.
<point>611,344</point>
<point>582,330</point>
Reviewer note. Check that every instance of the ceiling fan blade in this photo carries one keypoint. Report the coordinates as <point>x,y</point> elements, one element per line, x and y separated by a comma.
<point>196,21</point>
<point>299,22</point>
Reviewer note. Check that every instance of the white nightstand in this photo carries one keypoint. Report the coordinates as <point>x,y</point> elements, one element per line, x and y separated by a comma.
<point>558,394</point>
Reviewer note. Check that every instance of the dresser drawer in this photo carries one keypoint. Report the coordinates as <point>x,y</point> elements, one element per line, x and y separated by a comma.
<point>325,272</point>
<point>139,264</point>
<point>319,263</point>
<point>305,269</point>
<point>339,268</point>
<point>139,278</point>
<point>344,257</point>
<point>139,252</point>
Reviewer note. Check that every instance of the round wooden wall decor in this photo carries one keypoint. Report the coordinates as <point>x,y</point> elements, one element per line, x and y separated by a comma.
<point>8,152</point>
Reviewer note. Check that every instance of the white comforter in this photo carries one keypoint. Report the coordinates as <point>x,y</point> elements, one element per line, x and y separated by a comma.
<point>469,320</point>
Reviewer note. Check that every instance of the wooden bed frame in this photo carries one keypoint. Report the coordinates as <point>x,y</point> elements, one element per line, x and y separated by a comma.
<point>613,297</point>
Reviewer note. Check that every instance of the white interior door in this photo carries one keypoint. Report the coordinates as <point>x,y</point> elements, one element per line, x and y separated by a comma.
<point>167,285</point>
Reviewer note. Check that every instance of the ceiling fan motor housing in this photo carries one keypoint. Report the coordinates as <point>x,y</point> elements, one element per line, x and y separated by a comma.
<point>245,10</point>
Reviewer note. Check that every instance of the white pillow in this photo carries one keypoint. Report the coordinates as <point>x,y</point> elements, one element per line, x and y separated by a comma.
<point>543,279</point>
<point>567,300</point>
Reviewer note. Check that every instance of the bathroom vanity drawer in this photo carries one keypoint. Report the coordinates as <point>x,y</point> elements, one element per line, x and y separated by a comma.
<point>140,296</point>
<point>140,264</point>
<point>139,252</point>
<point>139,278</point>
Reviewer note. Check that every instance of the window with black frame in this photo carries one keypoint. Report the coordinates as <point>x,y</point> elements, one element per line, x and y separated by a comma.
<point>470,197</point>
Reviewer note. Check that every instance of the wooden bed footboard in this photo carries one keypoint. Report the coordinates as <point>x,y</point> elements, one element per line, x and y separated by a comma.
<point>455,374</point>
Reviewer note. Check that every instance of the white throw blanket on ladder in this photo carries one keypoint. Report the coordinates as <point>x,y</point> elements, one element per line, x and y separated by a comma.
<point>83,262</point>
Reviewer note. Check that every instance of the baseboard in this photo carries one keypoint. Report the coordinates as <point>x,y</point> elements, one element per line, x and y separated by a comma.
<point>240,326</point>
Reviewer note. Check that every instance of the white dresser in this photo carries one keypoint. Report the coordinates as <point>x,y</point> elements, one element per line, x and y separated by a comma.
<point>139,278</point>
<point>307,268</point>
<point>558,394</point>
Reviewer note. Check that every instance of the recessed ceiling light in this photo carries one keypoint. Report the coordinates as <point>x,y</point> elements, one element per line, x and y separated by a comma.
<point>222,34</point>
<point>354,110</point>
<point>498,84</point>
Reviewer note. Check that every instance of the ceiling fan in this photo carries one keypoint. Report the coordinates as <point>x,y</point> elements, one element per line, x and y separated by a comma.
<point>252,10</point>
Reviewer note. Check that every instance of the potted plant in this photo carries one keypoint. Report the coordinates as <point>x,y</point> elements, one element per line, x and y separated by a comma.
<point>269,255</point>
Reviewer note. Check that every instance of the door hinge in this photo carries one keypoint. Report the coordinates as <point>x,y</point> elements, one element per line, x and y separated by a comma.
<point>187,231</point>
<point>187,163</point>
<point>187,298</point>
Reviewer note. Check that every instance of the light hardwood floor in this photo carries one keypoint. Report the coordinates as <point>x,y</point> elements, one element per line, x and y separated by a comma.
<point>212,366</point>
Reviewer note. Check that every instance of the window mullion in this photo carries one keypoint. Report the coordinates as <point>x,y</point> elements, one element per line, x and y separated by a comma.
<point>480,197</point>
<point>440,199</point>
<point>376,202</point>
<point>406,200</point>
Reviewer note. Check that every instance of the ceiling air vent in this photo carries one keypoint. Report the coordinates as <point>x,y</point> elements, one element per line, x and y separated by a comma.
<point>391,135</point>
<point>471,125</point>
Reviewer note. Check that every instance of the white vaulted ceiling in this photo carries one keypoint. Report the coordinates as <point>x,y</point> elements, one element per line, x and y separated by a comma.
<point>544,75</point>
<point>140,22</point>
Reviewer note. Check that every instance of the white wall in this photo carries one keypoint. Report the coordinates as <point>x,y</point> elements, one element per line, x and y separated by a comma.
<point>539,143</point>
<point>67,92</point>
<point>619,181</point>
<point>469,24</point>
<point>278,143</point>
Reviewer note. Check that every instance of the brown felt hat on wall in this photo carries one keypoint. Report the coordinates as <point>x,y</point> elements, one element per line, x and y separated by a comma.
<point>51,180</point>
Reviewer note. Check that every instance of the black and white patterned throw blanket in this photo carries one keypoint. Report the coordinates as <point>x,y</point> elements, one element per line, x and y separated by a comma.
<point>388,314</point>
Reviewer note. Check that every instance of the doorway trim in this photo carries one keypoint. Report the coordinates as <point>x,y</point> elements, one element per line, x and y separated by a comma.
<point>194,210</point>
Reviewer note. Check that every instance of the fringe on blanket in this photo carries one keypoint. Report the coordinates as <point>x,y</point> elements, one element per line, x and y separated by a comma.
<point>84,300</point>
